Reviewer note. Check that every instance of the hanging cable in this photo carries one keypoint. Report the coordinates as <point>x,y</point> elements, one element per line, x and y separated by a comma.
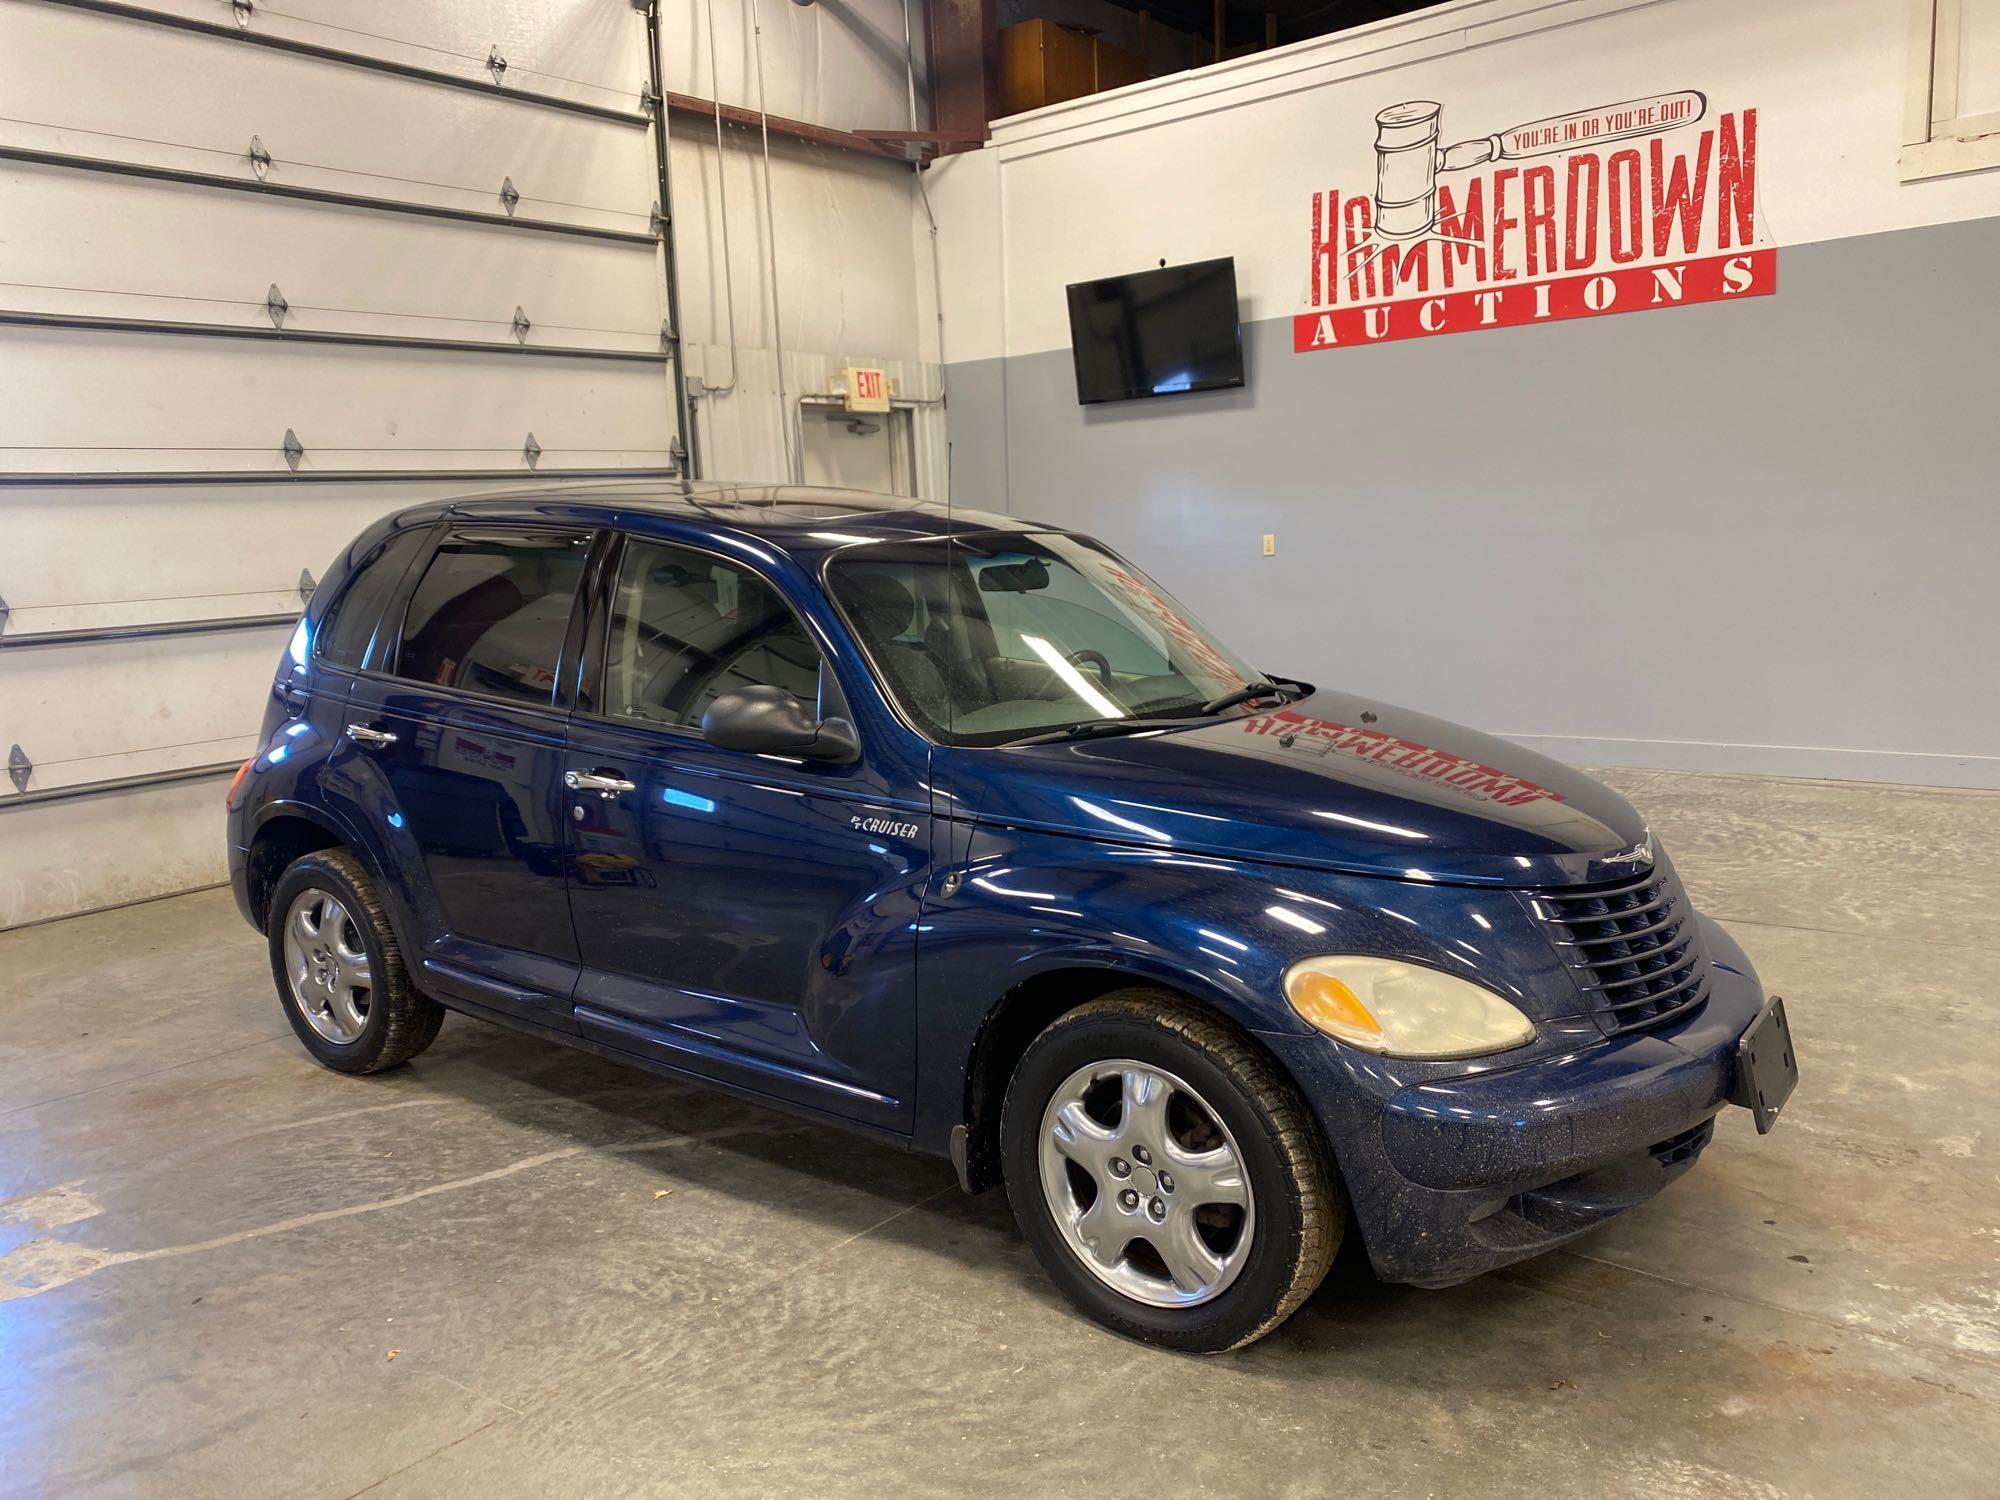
<point>771,230</point>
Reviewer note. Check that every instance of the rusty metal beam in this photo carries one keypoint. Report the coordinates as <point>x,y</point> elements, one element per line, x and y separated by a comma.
<point>737,117</point>
<point>963,37</point>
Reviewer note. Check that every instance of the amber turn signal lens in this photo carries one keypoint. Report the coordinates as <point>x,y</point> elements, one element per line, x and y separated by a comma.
<point>1328,1005</point>
<point>236,783</point>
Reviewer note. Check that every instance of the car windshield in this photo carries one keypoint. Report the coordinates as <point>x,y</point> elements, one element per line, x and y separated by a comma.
<point>999,636</point>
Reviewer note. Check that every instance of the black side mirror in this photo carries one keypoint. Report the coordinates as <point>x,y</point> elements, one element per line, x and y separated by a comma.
<point>770,721</point>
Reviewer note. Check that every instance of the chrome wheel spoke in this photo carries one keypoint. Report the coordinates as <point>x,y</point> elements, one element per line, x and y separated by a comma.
<point>1143,1096</point>
<point>1103,1231</point>
<point>1081,1139</point>
<point>1211,1177</point>
<point>1194,1267</point>
<point>345,1017</point>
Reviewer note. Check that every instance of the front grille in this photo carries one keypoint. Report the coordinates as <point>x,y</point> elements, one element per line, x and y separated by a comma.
<point>1632,945</point>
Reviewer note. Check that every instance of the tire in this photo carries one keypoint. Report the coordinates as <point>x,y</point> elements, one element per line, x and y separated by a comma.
<point>327,930</point>
<point>1225,1102</point>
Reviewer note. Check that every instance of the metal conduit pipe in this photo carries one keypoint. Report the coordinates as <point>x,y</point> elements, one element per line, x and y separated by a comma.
<point>785,413</point>
<point>722,213</point>
<point>685,437</point>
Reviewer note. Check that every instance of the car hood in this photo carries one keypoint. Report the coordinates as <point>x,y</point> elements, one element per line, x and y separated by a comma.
<point>1334,782</point>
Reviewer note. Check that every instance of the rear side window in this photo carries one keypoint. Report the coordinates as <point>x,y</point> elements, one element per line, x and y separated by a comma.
<point>350,623</point>
<point>490,612</point>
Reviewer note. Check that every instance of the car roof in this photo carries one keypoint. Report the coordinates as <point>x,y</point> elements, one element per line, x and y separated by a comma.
<point>799,518</point>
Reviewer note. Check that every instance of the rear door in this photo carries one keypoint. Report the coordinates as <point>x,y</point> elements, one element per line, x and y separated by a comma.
<point>749,917</point>
<point>453,755</point>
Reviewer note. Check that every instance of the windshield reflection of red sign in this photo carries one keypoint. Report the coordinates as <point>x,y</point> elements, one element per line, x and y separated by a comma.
<point>1171,621</point>
<point>1407,757</point>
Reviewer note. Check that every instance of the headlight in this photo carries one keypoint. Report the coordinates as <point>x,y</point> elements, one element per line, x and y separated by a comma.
<point>1404,1010</point>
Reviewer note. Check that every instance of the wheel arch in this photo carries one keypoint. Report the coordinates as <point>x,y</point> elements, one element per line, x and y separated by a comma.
<point>286,831</point>
<point>1021,1013</point>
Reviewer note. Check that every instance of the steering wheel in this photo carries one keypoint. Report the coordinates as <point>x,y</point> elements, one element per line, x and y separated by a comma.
<point>1096,659</point>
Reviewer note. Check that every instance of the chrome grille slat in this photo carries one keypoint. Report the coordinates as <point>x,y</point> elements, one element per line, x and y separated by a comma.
<point>1632,946</point>
<point>1620,937</point>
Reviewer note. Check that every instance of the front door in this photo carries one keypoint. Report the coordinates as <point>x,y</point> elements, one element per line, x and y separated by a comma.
<point>454,755</point>
<point>747,917</point>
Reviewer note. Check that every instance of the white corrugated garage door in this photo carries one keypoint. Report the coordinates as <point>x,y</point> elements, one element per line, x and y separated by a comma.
<point>339,220</point>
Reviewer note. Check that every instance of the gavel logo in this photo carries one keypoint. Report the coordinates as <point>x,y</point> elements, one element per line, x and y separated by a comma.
<point>1408,157</point>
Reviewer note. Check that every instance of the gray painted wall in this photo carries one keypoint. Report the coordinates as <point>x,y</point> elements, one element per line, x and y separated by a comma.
<point>1749,536</point>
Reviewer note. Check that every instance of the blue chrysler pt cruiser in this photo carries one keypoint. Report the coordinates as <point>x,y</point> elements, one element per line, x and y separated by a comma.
<point>960,831</point>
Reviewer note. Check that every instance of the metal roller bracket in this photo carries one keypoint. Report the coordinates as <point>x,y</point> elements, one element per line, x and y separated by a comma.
<point>294,450</point>
<point>243,10</point>
<point>260,158</point>
<point>520,325</point>
<point>19,768</point>
<point>509,195</point>
<point>496,64</point>
<point>307,583</point>
<point>276,305</point>
<point>531,451</point>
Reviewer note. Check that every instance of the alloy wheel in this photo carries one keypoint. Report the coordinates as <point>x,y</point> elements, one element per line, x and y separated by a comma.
<point>327,965</point>
<point>1146,1183</point>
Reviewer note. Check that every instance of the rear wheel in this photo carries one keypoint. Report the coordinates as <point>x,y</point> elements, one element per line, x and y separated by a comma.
<point>1167,1175</point>
<point>339,971</point>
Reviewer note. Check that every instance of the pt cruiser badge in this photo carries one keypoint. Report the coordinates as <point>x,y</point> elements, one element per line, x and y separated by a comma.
<point>886,827</point>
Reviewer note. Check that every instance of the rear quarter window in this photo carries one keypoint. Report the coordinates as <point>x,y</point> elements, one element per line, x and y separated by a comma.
<point>349,623</point>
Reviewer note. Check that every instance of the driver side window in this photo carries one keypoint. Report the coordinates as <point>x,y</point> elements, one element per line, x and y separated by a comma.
<point>687,627</point>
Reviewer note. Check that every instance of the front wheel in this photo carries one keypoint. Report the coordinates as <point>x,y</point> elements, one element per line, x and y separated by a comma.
<point>1167,1175</point>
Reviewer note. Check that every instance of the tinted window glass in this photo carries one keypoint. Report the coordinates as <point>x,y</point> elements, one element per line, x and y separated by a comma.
<point>686,628</point>
<point>490,613</point>
<point>345,631</point>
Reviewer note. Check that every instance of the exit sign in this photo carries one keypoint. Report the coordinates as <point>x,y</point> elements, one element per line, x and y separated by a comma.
<point>867,388</point>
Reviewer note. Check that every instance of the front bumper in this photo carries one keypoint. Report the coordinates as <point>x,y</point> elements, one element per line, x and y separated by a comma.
<point>1452,1178</point>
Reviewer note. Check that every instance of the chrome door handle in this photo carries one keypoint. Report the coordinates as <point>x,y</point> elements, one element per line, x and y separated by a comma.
<point>361,734</point>
<point>605,785</point>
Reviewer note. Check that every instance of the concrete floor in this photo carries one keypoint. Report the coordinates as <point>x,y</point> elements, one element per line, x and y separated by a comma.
<point>510,1269</point>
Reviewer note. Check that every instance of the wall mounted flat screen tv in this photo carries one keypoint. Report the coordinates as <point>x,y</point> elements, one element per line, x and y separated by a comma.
<point>1156,332</point>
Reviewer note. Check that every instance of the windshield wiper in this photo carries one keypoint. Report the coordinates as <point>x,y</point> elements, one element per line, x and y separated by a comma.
<point>1098,728</point>
<point>1282,691</point>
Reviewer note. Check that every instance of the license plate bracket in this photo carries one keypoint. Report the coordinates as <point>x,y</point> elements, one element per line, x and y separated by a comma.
<point>1767,1067</point>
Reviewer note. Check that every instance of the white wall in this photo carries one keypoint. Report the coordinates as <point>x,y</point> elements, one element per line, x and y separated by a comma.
<point>1781,500</point>
<point>219,527</point>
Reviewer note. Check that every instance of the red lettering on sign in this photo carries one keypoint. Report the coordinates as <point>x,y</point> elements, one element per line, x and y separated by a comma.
<point>1750,273</point>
